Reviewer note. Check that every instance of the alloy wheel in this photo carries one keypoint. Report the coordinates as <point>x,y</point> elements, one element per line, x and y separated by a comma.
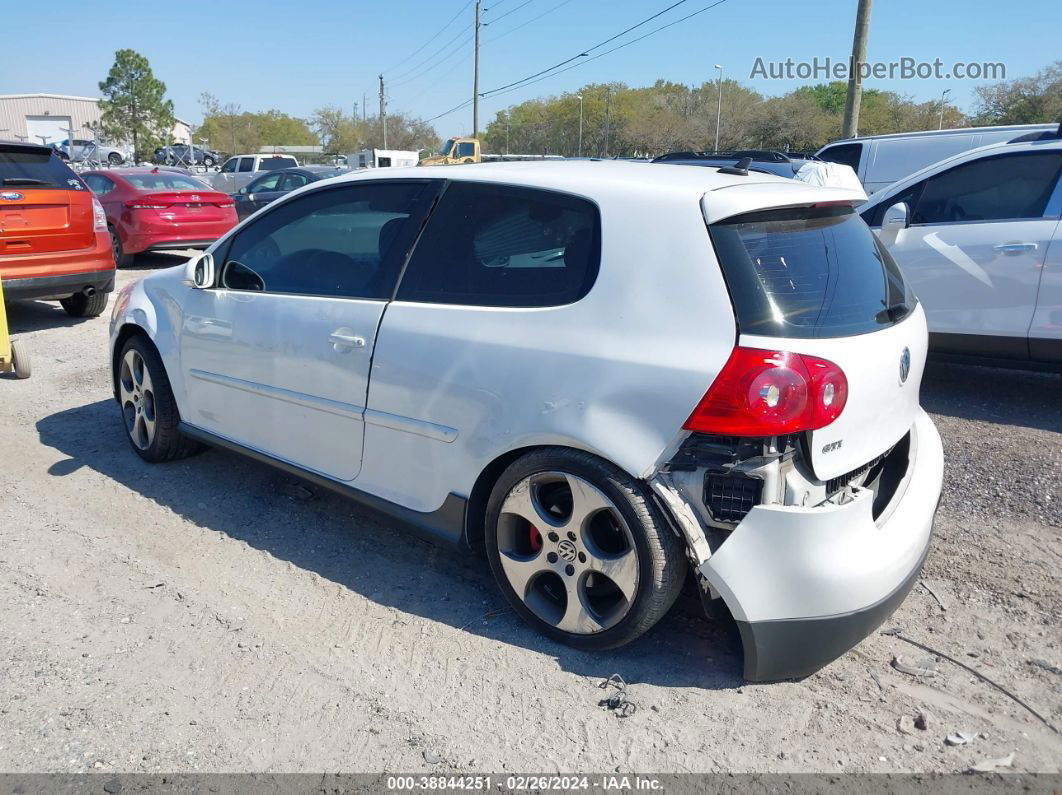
<point>138,399</point>
<point>568,553</point>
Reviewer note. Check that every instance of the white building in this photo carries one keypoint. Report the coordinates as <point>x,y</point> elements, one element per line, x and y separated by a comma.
<point>46,118</point>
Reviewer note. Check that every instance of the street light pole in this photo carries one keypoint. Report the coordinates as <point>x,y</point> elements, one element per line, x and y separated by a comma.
<point>718,105</point>
<point>580,125</point>
<point>508,118</point>
<point>947,91</point>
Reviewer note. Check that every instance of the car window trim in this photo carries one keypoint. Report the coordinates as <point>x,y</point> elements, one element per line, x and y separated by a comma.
<point>412,249</point>
<point>226,244</point>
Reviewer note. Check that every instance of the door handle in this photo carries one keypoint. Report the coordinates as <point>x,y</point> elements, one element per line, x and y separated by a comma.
<point>1015,248</point>
<point>345,339</point>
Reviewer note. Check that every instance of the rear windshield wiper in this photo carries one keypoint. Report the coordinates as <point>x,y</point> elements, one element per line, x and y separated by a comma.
<point>25,181</point>
<point>894,313</point>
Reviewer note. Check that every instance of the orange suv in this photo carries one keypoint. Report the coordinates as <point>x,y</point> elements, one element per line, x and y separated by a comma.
<point>53,232</point>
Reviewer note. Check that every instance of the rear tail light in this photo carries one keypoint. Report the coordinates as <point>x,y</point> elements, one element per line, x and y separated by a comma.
<point>767,393</point>
<point>146,203</point>
<point>99,216</point>
<point>225,203</point>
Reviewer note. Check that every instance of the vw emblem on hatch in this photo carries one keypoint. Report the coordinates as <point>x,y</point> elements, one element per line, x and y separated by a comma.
<point>11,196</point>
<point>566,549</point>
<point>905,365</point>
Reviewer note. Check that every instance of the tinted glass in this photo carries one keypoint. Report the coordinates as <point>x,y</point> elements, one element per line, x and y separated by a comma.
<point>246,164</point>
<point>492,245</point>
<point>230,165</point>
<point>33,167</point>
<point>809,273</point>
<point>274,163</point>
<point>466,149</point>
<point>348,241</point>
<point>845,154</point>
<point>265,183</point>
<point>993,188</point>
<point>874,215</point>
<point>165,181</point>
<point>100,185</point>
<point>292,181</point>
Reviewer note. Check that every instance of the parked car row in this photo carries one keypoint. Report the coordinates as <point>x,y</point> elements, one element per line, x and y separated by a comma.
<point>183,154</point>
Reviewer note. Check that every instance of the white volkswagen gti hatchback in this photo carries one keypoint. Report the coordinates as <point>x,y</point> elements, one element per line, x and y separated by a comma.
<point>601,374</point>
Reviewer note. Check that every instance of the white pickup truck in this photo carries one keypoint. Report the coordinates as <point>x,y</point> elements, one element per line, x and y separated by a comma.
<point>238,170</point>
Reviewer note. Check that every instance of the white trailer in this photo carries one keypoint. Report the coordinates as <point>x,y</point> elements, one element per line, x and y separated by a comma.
<point>382,158</point>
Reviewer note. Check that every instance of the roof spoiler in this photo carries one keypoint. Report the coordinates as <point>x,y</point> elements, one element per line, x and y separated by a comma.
<point>740,169</point>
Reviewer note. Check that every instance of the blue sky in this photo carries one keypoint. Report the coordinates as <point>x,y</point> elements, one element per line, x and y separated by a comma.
<point>299,56</point>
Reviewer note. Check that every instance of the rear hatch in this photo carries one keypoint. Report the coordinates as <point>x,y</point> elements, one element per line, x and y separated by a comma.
<point>44,207</point>
<point>813,280</point>
<point>168,197</point>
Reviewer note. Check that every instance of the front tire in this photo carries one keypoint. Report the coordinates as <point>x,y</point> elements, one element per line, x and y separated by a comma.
<point>81,305</point>
<point>209,162</point>
<point>114,159</point>
<point>149,410</point>
<point>580,550</point>
<point>121,259</point>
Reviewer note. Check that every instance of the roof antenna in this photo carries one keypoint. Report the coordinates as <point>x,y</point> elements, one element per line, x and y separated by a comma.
<point>740,169</point>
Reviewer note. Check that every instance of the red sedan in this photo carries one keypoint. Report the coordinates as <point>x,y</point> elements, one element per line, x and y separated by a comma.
<point>153,209</point>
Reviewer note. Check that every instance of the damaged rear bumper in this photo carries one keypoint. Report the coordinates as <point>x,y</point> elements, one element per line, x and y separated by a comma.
<point>807,584</point>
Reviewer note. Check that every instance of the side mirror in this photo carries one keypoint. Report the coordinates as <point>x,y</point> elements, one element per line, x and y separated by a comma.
<point>894,220</point>
<point>199,271</point>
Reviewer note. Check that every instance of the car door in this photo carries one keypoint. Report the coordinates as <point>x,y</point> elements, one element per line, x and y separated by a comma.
<point>257,194</point>
<point>276,355</point>
<point>225,179</point>
<point>1045,333</point>
<point>975,248</point>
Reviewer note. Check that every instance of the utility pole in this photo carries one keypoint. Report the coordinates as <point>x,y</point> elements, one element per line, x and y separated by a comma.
<point>718,105</point>
<point>580,126</point>
<point>508,119</point>
<point>850,128</point>
<point>608,108</point>
<point>363,106</point>
<point>943,96</point>
<point>475,80</point>
<point>383,112</point>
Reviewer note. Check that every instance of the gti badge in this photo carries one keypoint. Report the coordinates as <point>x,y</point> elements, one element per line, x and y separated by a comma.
<point>11,196</point>
<point>905,365</point>
<point>829,448</point>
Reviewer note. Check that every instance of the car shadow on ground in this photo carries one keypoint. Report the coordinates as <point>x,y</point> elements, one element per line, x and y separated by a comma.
<point>325,533</point>
<point>24,317</point>
<point>991,394</point>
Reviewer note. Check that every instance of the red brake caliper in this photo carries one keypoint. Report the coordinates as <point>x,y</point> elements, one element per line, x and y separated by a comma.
<point>536,539</point>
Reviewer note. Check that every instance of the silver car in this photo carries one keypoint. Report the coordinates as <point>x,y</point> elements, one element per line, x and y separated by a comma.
<point>83,150</point>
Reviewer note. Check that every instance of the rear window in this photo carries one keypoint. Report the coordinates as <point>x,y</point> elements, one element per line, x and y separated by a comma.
<point>845,154</point>
<point>273,163</point>
<point>809,272</point>
<point>165,182</point>
<point>32,167</point>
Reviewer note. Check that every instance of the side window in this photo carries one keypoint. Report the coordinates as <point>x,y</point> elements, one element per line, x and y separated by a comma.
<point>467,149</point>
<point>267,183</point>
<point>845,154</point>
<point>990,189</point>
<point>293,181</point>
<point>99,185</point>
<point>347,242</point>
<point>246,164</point>
<point>875,215</point>
<point>493,245</point>
<point>230,165</point>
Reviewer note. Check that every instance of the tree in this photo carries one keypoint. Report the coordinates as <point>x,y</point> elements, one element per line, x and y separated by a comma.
<point>341,133</point>
<point>134,105</point>
<point>1025,100</point>
<point>228,128</point>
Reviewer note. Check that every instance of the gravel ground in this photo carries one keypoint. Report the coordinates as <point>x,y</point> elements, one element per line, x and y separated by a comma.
<point>217,615</point>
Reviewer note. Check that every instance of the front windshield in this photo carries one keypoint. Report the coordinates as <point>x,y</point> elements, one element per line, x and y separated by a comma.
<point>447,147</point>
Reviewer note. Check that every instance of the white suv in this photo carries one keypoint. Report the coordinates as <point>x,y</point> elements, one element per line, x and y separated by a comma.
<point>980,240</point>
<point>600,373</point>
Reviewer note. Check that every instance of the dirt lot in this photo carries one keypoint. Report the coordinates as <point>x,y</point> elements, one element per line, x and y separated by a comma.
<point>217,615</point>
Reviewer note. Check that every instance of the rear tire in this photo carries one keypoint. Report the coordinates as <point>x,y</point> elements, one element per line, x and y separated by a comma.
<point>81,305</point>
<point>20,360</point>
<point>148,408</point>
<point>115,159</point>
<point>209,162</point>
<point>121,259</point>
<point>580,549</point>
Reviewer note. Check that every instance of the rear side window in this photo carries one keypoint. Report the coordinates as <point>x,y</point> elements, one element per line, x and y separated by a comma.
<point>35,167</point>
<point>809,272</point>
<point>494,245</point>
<point>246,164</point>
<point>274,163</point>
<point>845,154</point>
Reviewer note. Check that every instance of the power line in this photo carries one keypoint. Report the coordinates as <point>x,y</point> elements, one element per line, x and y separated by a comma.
<point>542,76</point>
<point>586,52</point>
<point>430,57</point>
<point>510,11</point>
<point>431,69</point>
<point>433,38</point>
<point>528,22</point>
